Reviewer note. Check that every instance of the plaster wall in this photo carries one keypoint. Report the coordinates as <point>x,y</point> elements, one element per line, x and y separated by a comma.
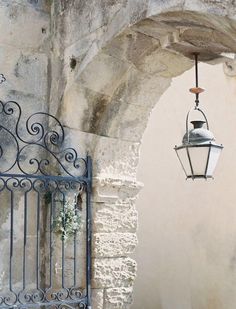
<point>186,251</point>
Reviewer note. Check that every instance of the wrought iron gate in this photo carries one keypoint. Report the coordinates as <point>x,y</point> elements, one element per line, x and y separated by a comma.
<point>45,214</point>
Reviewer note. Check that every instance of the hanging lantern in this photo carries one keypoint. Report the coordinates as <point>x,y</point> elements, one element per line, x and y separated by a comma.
<point>199,152</point>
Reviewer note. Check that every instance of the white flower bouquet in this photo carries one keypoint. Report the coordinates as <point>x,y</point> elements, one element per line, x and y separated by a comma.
<point>68,221</point>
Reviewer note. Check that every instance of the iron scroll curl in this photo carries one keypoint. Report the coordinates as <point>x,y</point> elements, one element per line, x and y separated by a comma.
<point>37,145</point>
<point>39,176</point>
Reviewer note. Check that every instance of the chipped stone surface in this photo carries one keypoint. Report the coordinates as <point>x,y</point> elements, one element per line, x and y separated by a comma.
<point>122,190</point>
<point>114,244</point>
<point>113,272</point>
<point>118,298</point>
<point>114,217</point>
<point>113,155</point>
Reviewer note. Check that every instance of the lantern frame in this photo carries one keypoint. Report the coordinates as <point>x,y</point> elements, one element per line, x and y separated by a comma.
<point>198,138</point>
<point>193,175</point>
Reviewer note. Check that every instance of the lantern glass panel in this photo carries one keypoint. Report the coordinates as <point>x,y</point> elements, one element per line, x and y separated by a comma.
<point>199,158</point>
<point>183,158</point>
<point>213,158</point>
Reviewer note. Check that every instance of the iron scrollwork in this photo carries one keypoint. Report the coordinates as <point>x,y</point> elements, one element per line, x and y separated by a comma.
<point>2,78</point>
<point>37,174</point>
<point>40,140</point>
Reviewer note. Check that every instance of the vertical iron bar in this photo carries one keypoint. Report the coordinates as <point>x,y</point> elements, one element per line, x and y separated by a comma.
<point>190,163</point>
<point>208,157</point>
<point>11,240</point>
<point>196,68</point>
<point>63,247</point>
<point>75,247</point>
<point>50,240</point>
<point>88,232</point>
<point>37,243</point>
<point>196,77</point>
<point>25,238</point>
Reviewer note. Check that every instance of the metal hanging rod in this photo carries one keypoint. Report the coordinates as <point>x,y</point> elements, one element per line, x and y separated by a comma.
<point>196,90</point>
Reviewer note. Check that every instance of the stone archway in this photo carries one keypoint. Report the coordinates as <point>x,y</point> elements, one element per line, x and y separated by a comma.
<point>110,77</point>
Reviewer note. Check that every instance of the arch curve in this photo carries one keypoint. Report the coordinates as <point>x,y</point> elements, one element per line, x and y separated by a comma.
<point>124,63</point>
<point>115,85</point>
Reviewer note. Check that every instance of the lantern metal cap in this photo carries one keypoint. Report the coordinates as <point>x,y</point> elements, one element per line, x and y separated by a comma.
<point>198,134</point>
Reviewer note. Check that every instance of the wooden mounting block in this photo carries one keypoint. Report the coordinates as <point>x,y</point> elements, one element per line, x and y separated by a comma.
<point>196,90</point>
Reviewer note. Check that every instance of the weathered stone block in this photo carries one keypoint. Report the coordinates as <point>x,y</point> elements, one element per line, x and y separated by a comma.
<point>23,25</point>
<point>113,244</point>
<point>137,10</point>
<point>68,272</point>
<point>118,298</point>
<point>211,6</point>
<point>82,108</point>
<point>104,80</point>
<point>114,217</point>
<point>26,73</point>
<point>17,258</point>
<point>153,28</point>
<point>157,7</point>
<point>125,121</point>
<point>29,104</point>
<point>136,85</point>
<point>93,15</point>
<point>166,64</point>
<point>131,46</point>
<point>115,190</point>
<point>113,272</point>
<point>97,298</point>
<point>82,140</point>
<point>113,156</point>
<point>31,73</point>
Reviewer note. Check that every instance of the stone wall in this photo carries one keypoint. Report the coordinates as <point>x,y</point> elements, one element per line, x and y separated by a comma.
<point>24,61</point>
<point>117,59</point>
<point>101,66</point>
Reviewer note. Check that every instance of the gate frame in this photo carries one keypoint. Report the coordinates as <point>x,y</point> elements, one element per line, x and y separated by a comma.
<point>54,140</point>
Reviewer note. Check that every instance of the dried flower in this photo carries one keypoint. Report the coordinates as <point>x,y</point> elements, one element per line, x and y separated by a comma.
<point>68,221</point>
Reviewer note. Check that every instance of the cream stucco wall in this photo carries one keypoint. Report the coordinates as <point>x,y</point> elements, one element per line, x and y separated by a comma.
<point>187,233</point>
